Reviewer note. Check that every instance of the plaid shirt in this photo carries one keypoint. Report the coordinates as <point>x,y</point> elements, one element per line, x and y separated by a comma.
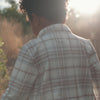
<point>57,65</point>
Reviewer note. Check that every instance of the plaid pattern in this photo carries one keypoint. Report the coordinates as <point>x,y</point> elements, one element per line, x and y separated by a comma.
<point>57,65</point>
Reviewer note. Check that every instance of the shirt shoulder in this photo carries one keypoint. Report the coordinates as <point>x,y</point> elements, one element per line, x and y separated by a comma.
<point>32,43</point>
<point>31,47</point>
<point>86,44</point>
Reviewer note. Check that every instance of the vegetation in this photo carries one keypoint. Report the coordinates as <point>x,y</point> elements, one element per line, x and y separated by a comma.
<point>13,27</point>
<point>3,59</point>
<point>3,69</point>
<point>12,13</point>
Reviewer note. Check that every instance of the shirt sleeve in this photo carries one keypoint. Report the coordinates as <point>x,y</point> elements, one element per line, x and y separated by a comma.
<point>95,70</point>
<point>22,78</point>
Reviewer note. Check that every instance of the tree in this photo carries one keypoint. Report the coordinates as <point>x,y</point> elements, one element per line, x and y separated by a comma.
<point>12,13</point>
<point>12,3</point>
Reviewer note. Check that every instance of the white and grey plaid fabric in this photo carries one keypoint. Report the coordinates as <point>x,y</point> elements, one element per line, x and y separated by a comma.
<point>57,65</point>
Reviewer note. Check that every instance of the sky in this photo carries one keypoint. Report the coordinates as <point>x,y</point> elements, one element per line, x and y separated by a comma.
<point>4,4</point>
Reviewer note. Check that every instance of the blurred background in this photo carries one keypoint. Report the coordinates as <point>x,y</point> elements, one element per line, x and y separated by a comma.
<point>83,19</point>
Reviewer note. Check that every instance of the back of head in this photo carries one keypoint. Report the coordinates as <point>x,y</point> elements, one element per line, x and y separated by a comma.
<point>52,10</point>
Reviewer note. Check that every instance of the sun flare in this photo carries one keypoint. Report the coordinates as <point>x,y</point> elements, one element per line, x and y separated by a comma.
<point>85,6</point>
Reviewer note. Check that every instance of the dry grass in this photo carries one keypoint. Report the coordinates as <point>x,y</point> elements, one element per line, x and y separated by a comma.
<point>3,86</point>
<point>11,33</point>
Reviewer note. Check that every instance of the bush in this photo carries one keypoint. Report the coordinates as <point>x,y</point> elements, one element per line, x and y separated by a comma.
<point>3,69</point>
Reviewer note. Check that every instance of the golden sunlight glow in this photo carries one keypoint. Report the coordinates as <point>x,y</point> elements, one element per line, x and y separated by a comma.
<point>85,6</point>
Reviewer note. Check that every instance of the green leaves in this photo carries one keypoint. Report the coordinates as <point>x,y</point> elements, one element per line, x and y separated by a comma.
<point>12,3</point>
<point>1,43</point>
<point>12,13</point>
<point>3,69</point>
<point>3,60</point>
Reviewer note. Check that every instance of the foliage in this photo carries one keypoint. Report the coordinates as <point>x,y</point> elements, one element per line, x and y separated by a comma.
<point>3,70</point>
<point>12,3</point>
<point>12,13</point>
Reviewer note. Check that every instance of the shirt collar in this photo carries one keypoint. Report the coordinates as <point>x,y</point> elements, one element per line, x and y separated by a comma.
<point>54,28</point>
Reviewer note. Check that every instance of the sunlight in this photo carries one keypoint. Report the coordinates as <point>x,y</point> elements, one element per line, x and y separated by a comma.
<point>17,1</point>
<point>4,4</point>
<point>85,6</point>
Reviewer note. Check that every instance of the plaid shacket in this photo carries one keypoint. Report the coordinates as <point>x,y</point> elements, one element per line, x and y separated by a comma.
<point>57,65</point>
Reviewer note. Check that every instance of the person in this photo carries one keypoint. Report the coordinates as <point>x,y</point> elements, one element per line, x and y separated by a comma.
<point>57,65</point>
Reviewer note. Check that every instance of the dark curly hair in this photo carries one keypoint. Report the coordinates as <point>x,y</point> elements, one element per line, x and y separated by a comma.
<point>53,10</point>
